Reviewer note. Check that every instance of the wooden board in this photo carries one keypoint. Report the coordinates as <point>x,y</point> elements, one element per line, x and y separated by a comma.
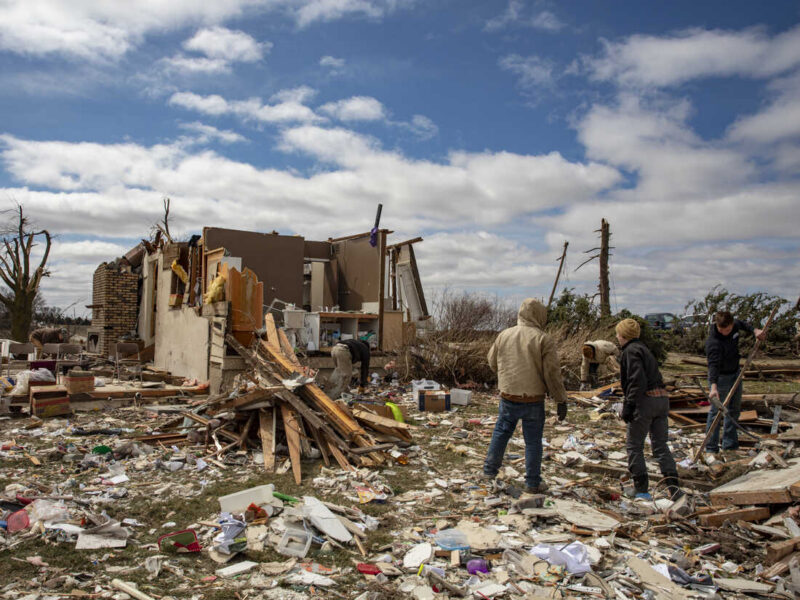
<point>272,331</point>
<point>757,513</point>
<point>759,487</point>
<point>266,429</point>
<point>287,349</point>
<point>292,428</point>
<point>778,550</point>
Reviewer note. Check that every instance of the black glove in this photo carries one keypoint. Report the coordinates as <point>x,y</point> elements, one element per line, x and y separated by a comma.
<point>628,411</point>
<point>562,411</point>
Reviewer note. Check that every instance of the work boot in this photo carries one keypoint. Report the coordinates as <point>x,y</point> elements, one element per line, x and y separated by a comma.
<point>486,478</point>
<point>673,487</point>
<point>539,489</point>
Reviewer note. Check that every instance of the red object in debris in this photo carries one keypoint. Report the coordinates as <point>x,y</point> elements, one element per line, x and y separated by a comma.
<point>474,421</point>
<point>18,521</point>
<point>23,500</point>
<point>367,569</point>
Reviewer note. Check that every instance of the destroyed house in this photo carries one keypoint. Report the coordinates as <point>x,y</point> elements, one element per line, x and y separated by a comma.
<point>178,300</point>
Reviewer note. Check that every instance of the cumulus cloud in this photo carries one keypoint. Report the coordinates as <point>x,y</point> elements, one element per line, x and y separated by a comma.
<point>194,64</point>
<point>661,61</point>
<point>101,30</point>
<point>204,133</point>
<point>287,109</point>
<point>357,108</point>
<point>515,15</point>
<point>334,64</point>
<point>422,127</point>
<point>534,72</point>
<point>227,44</point>
<point>118,186</point>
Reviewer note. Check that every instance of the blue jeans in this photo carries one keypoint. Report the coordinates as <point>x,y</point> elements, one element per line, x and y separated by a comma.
<point>730,435</point>
<point>532,416</point>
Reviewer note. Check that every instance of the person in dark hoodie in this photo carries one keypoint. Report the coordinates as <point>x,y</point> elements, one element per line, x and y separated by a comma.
<point>722,352</point>
<point>645,410</point>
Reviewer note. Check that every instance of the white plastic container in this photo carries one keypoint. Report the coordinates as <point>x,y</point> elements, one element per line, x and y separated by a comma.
<point>239,501</point>
<point>295,542</point>
<point>425,384</point>
<point>460,397</point>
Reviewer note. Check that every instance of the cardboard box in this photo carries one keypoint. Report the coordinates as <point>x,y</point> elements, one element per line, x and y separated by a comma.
<point>79,382</point>
<point>50,401</point>
<point>433,401</point>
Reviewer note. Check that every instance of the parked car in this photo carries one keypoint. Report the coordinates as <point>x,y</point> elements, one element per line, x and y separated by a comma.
<point>661,321</point>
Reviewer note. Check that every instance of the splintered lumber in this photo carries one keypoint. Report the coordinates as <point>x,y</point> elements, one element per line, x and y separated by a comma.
<point>272,332</point>
<point>597,391</point>
<point>778,550</point>
<point>756,513</point>
<point>266,429</point>
<point>384,425</point>
<point>256,395</point>
<point>335,411</point>
<point>308,414</point>
<point>287,348</point>
<point>759,487</point>
<point>780,567</point>
<point>340,458</point>
<point>203,421</point>
<point>292,428</point>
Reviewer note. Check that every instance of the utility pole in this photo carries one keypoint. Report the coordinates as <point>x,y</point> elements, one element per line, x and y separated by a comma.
<point>604,288</point>
<point>558,275</point>
<point>605,302</point>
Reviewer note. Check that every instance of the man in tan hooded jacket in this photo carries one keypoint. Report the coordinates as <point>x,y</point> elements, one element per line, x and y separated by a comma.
<point>527,366</point>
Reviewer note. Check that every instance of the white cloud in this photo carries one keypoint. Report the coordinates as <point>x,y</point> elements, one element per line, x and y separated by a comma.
<point>206,133</point>
<point>96,29</point>
<point>105,30</point>
<point>187,64</point>
<point>290,110</point>
<point>514,16</point>
<point>659,61</point>
<point>422,127</point>
<point>655,142</point>
<point>332,63</point>
<point>779,121</point>
<point>357,108</point>
<point>117,188</point>
<point>227,44</point>
<point>311,11</point>
<point>534,72</point>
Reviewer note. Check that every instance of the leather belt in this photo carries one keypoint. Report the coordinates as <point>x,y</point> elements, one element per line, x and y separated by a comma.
<point>657,393</point>
<point>513,398</point>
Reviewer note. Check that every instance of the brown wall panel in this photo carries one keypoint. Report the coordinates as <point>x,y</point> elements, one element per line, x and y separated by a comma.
<point>277,260</point>
<point>359,272</point>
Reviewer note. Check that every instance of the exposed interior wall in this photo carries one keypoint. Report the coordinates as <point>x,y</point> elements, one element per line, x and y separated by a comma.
<point>359,272</point>
<point>147,302</point>
<point>409,286</point>
<point>277,260</point>
<point>182,336</point>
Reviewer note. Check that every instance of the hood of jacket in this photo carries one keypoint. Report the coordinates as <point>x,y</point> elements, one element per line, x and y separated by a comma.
<point>532,313</point>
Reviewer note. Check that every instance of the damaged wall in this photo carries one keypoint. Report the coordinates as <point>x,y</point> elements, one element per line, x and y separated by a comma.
<point>360,271</point>
<point>277,260</point>
<point>182,336</point>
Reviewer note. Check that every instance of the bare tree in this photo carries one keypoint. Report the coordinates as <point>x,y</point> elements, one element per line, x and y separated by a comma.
<point>162,227</point>
<point>17,274</point>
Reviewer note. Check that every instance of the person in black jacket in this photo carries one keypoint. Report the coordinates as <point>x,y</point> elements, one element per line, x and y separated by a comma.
<point>344,354</point>
<point>722,352</point>
<point>645,410</point>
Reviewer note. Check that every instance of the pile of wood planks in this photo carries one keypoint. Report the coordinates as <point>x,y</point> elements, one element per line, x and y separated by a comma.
<point>269,413</point>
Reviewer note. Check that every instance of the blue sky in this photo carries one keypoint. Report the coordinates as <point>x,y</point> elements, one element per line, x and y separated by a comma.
<point>494,129</point>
